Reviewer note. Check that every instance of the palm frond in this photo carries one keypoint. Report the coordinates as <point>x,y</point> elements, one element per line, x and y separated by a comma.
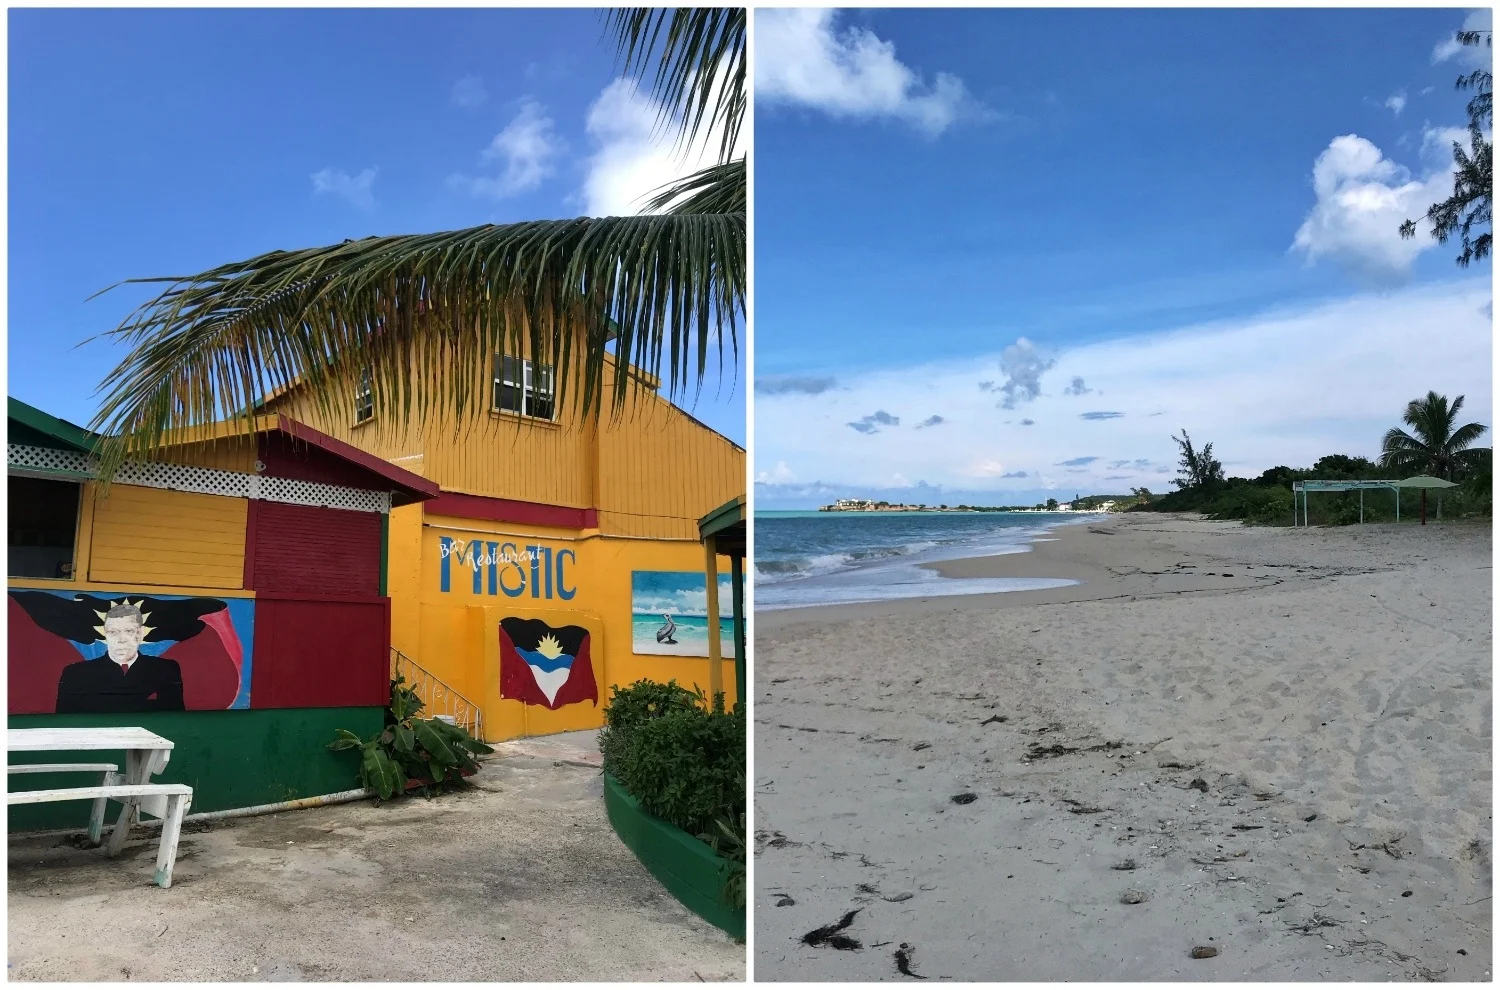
<point>1465,436</point>
<point>700,66</point>
<point>405,308</point>
<point>715,189</point>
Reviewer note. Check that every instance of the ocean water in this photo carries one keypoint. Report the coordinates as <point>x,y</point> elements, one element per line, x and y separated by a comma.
<point>691,634</point>
<point>827,558</point>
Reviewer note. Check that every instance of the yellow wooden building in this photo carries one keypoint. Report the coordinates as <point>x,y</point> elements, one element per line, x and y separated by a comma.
<point>562,556</point>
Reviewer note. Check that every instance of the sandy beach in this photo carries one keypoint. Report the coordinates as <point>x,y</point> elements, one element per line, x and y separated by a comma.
<point>1268,742</point>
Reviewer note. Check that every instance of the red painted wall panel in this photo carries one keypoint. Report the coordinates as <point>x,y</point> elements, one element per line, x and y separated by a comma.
<point>324,653</point>
<point>288,457</point>
<point>303,548</point>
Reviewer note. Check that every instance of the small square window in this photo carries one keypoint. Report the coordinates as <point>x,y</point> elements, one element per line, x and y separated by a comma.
<point>521,387</point>
<point>364,399</point>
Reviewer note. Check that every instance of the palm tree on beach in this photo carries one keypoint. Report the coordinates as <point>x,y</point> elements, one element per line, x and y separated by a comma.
<point>1434,446</point>
<point>401,311</point>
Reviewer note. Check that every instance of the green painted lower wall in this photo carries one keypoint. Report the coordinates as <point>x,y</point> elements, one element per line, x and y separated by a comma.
<point>688,868</point>
<point>231,759</point>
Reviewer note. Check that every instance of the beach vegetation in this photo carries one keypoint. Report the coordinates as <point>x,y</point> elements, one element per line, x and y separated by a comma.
<point>1198,470</point>
<point>1434,445</point>
<point>682,756</point>
<point>659,290</point>
<point>1470,206</point>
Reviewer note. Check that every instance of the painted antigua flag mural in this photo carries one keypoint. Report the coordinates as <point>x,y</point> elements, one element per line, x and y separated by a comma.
<point>543,665</point>
<point>669,613</point>
<point>100,652</point>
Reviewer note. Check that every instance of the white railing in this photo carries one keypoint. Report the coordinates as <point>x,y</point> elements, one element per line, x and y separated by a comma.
<point>438,698</point>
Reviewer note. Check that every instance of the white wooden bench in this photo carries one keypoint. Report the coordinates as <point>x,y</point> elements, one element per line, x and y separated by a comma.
<point>146,754</point>
<point>110,775</point>
<point>179,797</point>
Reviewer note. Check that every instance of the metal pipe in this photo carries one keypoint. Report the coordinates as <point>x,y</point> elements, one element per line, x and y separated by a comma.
<point>320,801</point>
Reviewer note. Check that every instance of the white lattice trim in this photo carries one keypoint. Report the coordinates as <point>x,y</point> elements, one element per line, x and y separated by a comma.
<point>326,496</point>
<point>208,481</point>
<point>185,478</point>
<point>48,459</point>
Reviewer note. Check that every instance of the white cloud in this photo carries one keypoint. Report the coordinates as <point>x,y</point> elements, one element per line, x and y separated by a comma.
<point>1396,102</point>
<point>635,155</point>
<point>984,467</point>
<point>1284,387</point>
<point>1477,56</point>
<point>778,475</point>
<point>469,92</point>
<point>1362,200</point>
<point>524,151</point>
<point>357,189</point>
<point>801,58</point>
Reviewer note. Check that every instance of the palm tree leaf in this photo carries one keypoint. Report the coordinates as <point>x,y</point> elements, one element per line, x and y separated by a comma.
<point>407,308</point>
<point>716,189</point>
<point>1465,436</point>
<point>700,66</point>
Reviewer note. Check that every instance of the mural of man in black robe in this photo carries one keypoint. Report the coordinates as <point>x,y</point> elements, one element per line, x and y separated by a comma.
<point>126,680</point>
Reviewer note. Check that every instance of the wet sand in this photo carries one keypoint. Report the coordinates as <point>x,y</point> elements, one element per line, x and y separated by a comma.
<point>1274,743</point>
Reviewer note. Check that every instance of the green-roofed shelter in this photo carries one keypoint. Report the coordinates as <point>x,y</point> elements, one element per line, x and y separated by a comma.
<point>1422,482</point>
<point>723,532</point>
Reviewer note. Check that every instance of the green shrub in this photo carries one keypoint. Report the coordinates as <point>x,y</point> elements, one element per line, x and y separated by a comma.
<point>409,748</point>
<point>684,761</point>
<point>685,768</point>
<point>636,705</point>
<point>1255,504</point>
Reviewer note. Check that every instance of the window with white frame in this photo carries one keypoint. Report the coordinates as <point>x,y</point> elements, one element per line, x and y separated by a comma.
<point>524,388</point>
<point>364,399</point>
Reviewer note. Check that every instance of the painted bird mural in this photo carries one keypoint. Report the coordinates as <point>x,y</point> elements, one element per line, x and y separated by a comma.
<point>666,632</point>
<point>546,666</point>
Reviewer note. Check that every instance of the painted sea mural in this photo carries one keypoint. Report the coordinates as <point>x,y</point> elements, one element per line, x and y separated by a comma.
<point>669,613</point>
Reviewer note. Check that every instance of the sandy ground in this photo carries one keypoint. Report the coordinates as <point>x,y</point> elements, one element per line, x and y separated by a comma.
<point>1274,743</point>
<point>521,878</point>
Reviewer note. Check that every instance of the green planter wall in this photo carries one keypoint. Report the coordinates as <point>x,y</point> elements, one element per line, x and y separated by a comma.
<point>688,868</point>
<point>231,759</point>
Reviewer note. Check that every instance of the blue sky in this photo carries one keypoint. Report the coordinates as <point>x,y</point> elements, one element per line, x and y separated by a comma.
<point>164,142</point>
<point>1007,253</point>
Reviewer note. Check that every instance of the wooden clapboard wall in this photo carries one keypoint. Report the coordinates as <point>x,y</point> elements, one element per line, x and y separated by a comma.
<point>155,536</point>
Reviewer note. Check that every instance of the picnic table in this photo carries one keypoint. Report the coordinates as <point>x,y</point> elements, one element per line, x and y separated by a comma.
<point>146,754</point>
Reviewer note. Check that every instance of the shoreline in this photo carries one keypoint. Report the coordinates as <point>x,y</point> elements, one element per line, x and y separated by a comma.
<point>1085,783</point>
<point>1063,552</point>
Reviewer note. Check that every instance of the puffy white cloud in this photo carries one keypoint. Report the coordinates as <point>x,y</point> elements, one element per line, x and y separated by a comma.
<point>523,151</point>
<point>635,155</point>
<point>1396,102</point>
<point>778,475</point>
<point>801,58</point>
<point>1284,387</point>
<point>1362,198</point>
<point>357,189</point>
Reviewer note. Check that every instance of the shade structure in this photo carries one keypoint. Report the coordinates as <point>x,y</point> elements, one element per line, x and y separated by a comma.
<point>723,532</point>
<point>1423,481</point>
